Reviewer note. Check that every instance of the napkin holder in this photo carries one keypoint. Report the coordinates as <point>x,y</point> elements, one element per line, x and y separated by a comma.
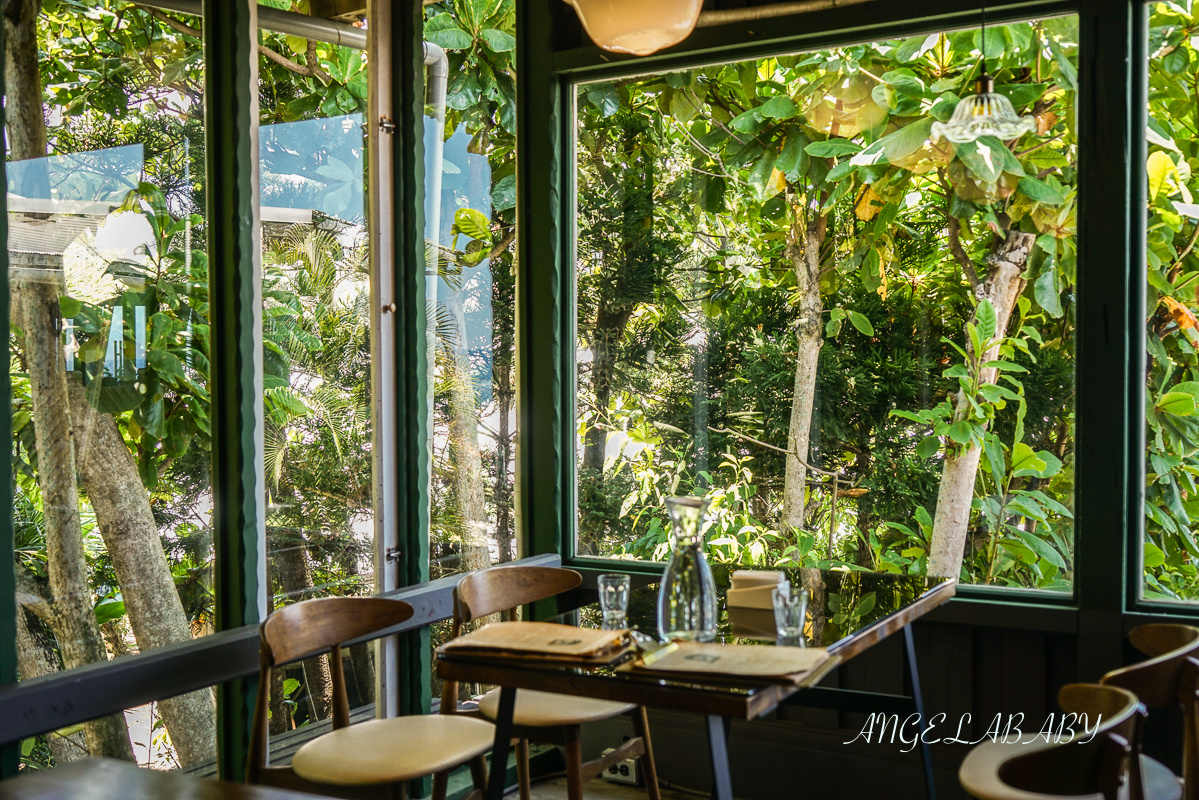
<point>752,588</point>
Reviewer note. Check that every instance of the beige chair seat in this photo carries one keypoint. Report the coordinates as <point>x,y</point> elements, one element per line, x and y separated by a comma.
<point>387,750</point>
<point>544,709</point>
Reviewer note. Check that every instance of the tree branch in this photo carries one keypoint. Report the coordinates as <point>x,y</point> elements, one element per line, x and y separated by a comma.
<point>504,243</point>
<point>313,70</point>
<point>782,450</point>
<point>959,252</point>
<point>171,22</point>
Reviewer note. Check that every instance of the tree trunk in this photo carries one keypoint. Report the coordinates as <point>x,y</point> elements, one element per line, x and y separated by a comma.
<point>609,328</point>
<point>23,83</point>
<point>34,302</point>
<point>290,562</point>
<point>281,720</point>
<point>503,286</point>
<point>114,487</point>
<point>813,581</point>
<point>35,311</point>
<point>503,455</point>
<point>35,658</point>
<point>1005,282</point>
<point>804,243</point>
<point>464,452</point>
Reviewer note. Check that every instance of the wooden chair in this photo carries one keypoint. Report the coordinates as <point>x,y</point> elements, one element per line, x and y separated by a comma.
<point>371,759</point>
<point>1105,766</point>
<point>542,716</point>
<point>1170,677</point>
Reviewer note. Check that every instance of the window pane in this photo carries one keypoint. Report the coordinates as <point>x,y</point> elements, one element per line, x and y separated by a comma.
<point>854,335</point>
<point>471,230</point>
<point>109,358</point>
<point>1171,342</point>
<point>316,358</point>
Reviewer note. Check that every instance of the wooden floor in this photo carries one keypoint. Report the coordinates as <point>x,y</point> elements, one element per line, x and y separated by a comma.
<point>601,790</point>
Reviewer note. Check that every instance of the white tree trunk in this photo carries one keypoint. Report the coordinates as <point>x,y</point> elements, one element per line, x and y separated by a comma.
<point>804,243</point>
<point>114,487</point>
<point>1004,284</point>
<point>35,312</point>
<point>464,449</point>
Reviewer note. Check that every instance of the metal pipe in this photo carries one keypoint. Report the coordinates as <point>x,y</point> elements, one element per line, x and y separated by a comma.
<point>437,72</point>
<point>289,22</point>
<point>708,19</point>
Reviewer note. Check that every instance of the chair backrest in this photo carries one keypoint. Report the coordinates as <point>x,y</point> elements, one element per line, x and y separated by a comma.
<point>497,589</point>
<point>1158,682</point>
<point>1169,677</point>
<point>1086,765</point>
<point>490,591</point>
<point>314,626</point>
<point>310,628</point>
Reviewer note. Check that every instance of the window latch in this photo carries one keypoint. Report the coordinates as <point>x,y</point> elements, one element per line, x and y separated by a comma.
<point>392,554</point>
<point>386,125</point>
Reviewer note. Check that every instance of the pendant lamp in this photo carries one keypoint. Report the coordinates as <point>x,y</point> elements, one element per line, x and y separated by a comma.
<point>639,27</point>
<point>984,113</point>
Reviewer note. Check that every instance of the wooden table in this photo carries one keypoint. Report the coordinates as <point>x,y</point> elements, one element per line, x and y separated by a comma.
<point>848,613</point>
<point>108,779</point>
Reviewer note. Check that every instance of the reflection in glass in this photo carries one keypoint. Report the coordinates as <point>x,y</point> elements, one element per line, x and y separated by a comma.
<point>109,368</point>
<point>471,231</point>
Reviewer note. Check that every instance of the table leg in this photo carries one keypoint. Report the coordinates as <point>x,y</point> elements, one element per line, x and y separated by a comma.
<point>718,745</point>
<point>503,740</point>
<point>921,719</point>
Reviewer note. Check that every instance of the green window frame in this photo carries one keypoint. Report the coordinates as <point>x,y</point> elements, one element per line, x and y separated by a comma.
<point>231,97</point>
<point>1110,345</point>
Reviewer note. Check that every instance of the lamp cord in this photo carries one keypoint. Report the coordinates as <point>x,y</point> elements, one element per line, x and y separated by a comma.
<point>984,38</point>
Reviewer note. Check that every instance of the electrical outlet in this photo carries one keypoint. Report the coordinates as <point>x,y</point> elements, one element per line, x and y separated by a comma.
<point>627,771</point>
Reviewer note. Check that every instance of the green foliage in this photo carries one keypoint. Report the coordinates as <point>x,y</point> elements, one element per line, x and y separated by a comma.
<point>734,166</point>
<point>1172,428</point>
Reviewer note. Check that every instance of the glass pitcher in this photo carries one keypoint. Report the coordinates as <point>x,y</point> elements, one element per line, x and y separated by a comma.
<point>687,598</point>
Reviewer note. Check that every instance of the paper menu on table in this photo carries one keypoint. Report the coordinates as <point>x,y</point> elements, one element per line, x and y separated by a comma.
<point>738,661</point>
<point>543,638</point>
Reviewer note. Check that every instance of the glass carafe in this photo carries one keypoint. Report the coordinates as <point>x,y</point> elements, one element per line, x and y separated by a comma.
<point>687,598</point>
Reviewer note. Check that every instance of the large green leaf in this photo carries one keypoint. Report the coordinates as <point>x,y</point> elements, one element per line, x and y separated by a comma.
<point>778,108</point>
<point>831,148</point>
<point>1181,404</point>
<point>443,31</point>
<point>897,145</point>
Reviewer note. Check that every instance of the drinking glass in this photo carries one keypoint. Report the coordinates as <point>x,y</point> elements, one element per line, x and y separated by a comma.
<point>790,611</point>
<point>614,600</point>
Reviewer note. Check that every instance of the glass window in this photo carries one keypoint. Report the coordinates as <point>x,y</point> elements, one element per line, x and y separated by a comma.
<point>109,358</point>
<point>856,336</point>
<point>1172,274</point>
<point>470,213</point>
<point>320,524</point>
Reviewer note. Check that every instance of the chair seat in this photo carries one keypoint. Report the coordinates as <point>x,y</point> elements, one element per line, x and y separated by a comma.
<point>1159,782</point>
<point>544,709</point>
<point>389,750</point>
<point>980,774</point>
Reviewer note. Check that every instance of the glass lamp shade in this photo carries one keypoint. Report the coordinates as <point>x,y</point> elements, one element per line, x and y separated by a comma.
<point>984,113</point>
<point>639,27</point>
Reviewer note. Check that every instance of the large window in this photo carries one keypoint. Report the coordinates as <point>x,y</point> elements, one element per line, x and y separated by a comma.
<point>109,359</point>
<point>856,336</point>
<point>1171,335</point>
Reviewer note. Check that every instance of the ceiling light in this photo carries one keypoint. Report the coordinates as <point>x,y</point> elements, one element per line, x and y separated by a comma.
<point>639,27</point>
<point>984,113</point>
